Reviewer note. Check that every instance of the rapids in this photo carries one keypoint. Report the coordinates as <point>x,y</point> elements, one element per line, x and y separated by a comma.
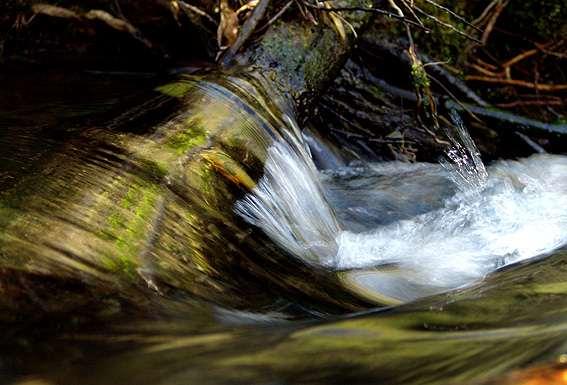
<point>196,236</point>
<point>409,230</point>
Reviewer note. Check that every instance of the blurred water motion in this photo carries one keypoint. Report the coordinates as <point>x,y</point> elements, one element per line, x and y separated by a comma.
<point>434,228</point>
<point>125,259</point>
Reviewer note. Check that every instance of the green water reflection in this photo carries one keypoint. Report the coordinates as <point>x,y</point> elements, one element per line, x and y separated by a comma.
<point>122,262</point>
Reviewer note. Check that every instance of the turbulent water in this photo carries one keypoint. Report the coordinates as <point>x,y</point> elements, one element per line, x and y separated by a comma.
<point>409,230</point>
<point>193,236</point>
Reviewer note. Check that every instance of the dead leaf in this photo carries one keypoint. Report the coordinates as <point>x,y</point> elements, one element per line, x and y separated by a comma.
<point>248,6</point>
<point>228,26</point>
<point>338,23</point>
<point>111,21</point>
<point>175,10</point>
<point>117,24</point>
<point>335,21</point>
<point>54,11</point>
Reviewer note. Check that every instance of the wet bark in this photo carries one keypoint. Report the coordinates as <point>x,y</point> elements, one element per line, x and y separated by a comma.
<point>161,222</point>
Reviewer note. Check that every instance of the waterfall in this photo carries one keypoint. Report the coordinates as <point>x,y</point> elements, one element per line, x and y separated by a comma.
<point>289,205</point>
<point>417,228</point>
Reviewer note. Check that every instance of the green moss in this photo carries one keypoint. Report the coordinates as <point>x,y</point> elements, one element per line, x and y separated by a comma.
<point>420,78</point>
<point>283,49</point>
<point>206,179</point>
<point>317,64</point>
<point>544,19</point>
<point>443,43</point>
<point>153,168</point>
<point>187,136</point>
<point>176,89</point>
<point>376,91</point>
<point>6,214</point>
<point>128,228</point>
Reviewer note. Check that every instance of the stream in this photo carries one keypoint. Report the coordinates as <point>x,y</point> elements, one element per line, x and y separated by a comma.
<point>189,231</point>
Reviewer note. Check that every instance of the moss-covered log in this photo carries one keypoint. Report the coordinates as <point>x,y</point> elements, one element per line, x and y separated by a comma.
<point>302,59</point>
<point>140,215</point>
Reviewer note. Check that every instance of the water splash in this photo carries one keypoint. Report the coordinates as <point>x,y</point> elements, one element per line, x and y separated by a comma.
<point>440,227</point>
<point>520,214</point>
<point>463,162</point>
<point>289,205</point>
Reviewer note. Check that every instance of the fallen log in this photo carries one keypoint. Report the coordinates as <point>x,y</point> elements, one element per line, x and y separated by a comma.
<point>136,217</point>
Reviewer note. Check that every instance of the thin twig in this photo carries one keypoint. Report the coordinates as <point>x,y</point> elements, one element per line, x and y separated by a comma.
<point>502,117</point>
<point>518,122</point>
<point>247,7</point>
<point>188,7</point>
<point>277,15</point>
<point>486,65</point>
<point>520,57</point>
<point>435,63</point>
<point>55,11</point>
<point>246,31</point>
<point>552,53</point>
<point>333,17</point>
<point>113,22</point>
<point>535,146</point>
<point>117,24</point>
<point>460,85</point>
<point>410,8</point>
<point>447,25</point>
<point>119,9</point>
<point>371,10</point>
<point>483,70</point>
<point>519,83</point>
<point>520,103</point>
<point>353,30</point>
<point>455,15</point>
<point>500,5</point>
<point>454,98</point>
<point>485,12</point>
<point>396,8</point>
<point>422,89</point>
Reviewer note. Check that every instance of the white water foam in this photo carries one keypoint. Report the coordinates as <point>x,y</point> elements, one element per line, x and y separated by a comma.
<point>466,169</point>
<point>521,213</point>
<point>289,205</point>
<point>511,212</point>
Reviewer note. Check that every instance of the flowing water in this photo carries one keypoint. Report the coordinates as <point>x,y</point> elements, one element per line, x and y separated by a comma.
<point>435,227</point>
<point>195,240</point>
